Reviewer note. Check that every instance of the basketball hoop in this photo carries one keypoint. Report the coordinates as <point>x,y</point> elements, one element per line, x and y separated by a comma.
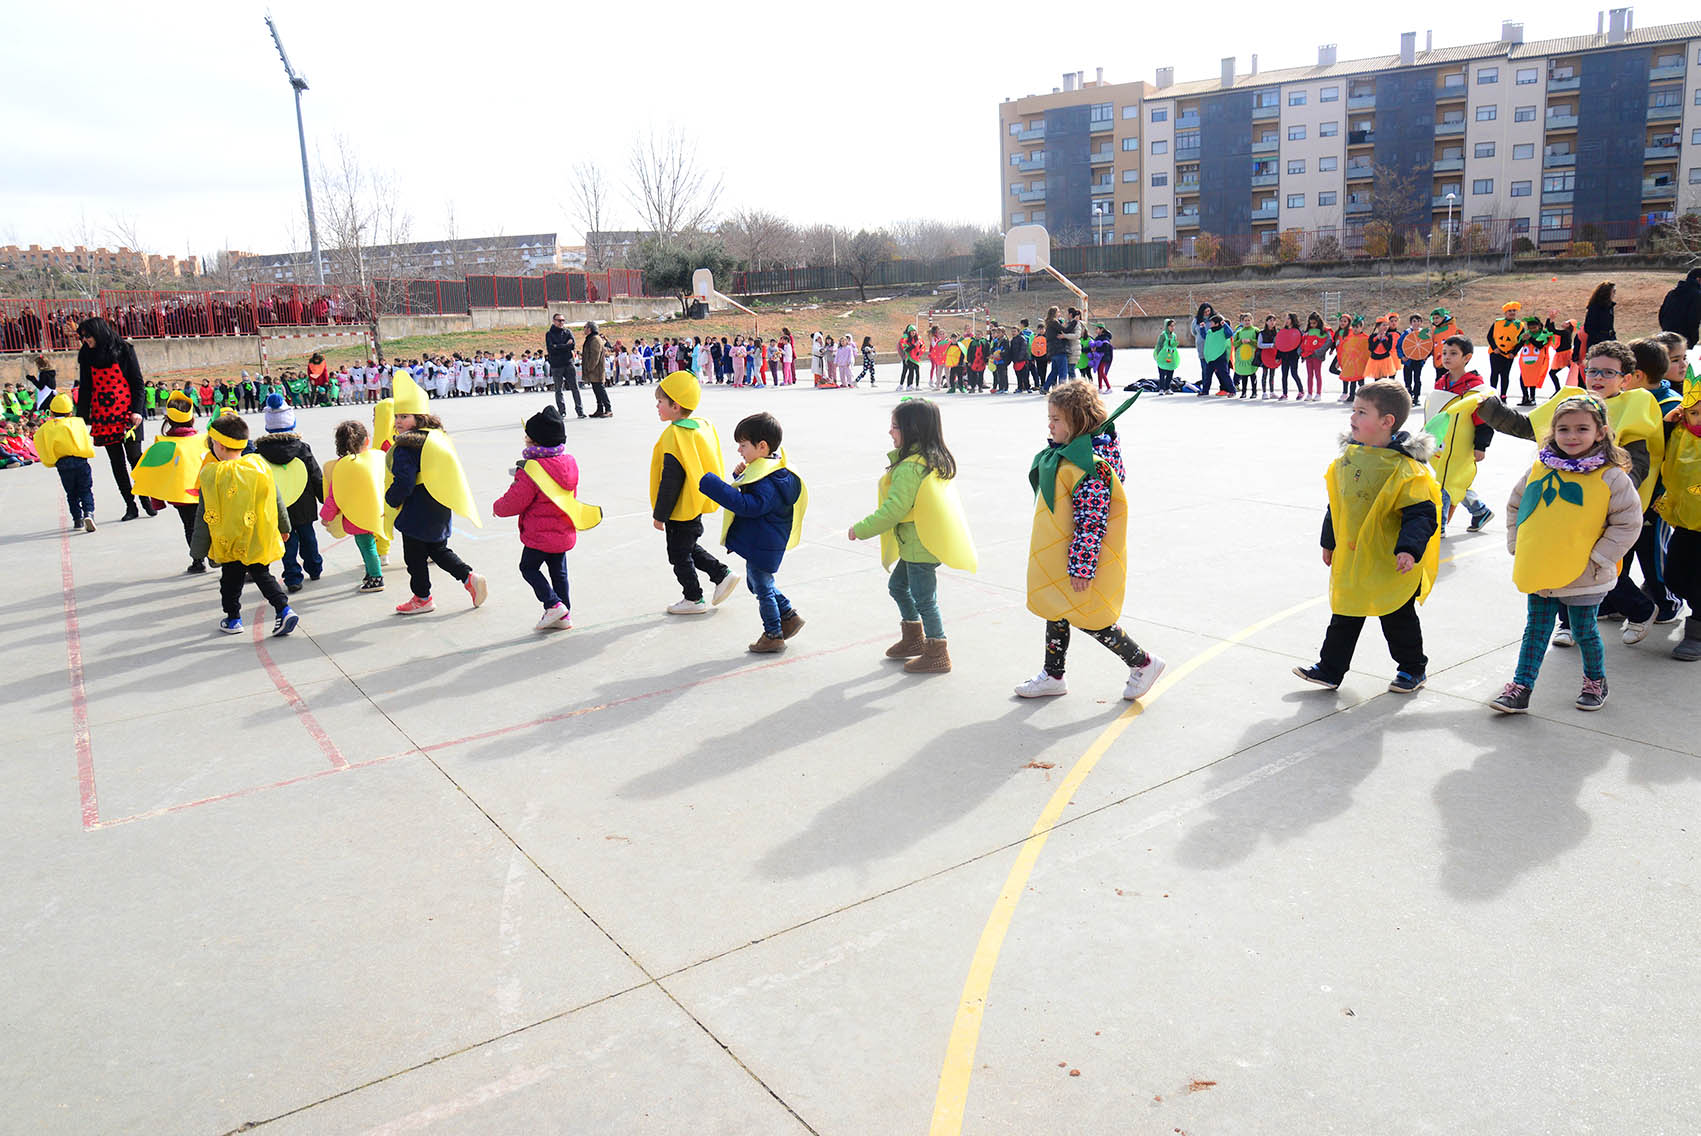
<point>1018,269</point>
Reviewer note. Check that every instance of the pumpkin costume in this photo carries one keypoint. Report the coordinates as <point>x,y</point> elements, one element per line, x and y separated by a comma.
<point>1504,335</point>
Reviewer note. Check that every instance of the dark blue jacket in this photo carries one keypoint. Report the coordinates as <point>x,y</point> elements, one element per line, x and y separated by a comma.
<point>762,515</point>
<point>421,515</point>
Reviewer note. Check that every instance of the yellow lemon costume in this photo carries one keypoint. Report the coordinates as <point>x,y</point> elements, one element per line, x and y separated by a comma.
<point>755,471</point>
<point>1368,486</point>
<point>240,505</point>
<point>1054,475</point>
<point>937,515</point>
<point>1448,418</point>
<point>1634,416</point>
<point>357,486</point>
<point>582,515</point>
<point>63,438</point>
<point>171,467</point>
<point>693,443</point>
<point>1560,517</point>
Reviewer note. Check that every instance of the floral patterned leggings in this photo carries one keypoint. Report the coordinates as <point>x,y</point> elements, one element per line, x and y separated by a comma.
<point>1113,637</point>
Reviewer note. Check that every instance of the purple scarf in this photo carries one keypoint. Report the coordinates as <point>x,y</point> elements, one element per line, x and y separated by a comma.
<point>536,453</point>
<point>1588,463</point>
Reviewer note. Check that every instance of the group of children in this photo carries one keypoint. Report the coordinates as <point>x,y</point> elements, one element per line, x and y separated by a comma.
<point>958,362</point>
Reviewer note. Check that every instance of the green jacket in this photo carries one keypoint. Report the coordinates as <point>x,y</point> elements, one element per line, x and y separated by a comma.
<point>907,476</point>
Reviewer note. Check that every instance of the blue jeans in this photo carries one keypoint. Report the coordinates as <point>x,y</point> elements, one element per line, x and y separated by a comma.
<point>78,481</point>
<point>1473,505</point>
<point>1058,372</point>
<point>301,547</point>
<point>770,602</point>
<point>551,589</point>
<point>915,588</point>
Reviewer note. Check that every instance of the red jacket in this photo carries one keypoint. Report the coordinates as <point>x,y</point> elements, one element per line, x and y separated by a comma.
<point>542,525</point>
<point>1468,382</point>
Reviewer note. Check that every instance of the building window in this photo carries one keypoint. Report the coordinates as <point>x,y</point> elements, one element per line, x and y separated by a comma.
<point>1130,144</point>
<point>1159,180</point>
<point>1037,216</point>
<point>1490,113</point>
<point>1296,134</point>
<point>1668,97</point>
<point>1487,75</point>
<point>1018,218</point>
<point>1522,150</point>
<point>1159,212</point>
<point>1131,176</point>
<point>1015,159</point>
<point>1265,98</point>
<point>1483,150</point>
<point>1131,112</point>
<point>1015,128</point>
<point>1328,164</point>
<point>1698,96</point>
<point>1160,114</point>
<point>1297,166</point>
<point>1130,208</point>
<point>1016,188</point>
<point>1296,98</point>
<point>1559,183</point>
<point>1482,185</point>
<point>1520,189</point>
<point>1695,175</point>
<point>1524,114</point>
<point>1160,147</point>
<point>1327,197</point>
<point>1695,138</point>
<point>1528,75</point>
<point>1329,95</point>
<point>1520,224</point>
<point>1296,201</point>
<point>1328,129</point>
<point>1102,112</point>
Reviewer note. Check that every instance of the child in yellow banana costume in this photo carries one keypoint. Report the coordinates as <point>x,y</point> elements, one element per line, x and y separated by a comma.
<point>427,485</point>
<point>687,449</point>
<point>1680,507</point>
<point>1569,522</point>
<point>66,446</point>
<point>1381,538</point>
<point>240,524</point>
<point>1078,552</point>
<point>921,525</point>
<point>354,498</point>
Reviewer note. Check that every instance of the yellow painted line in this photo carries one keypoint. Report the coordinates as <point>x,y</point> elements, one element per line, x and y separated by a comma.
<point>958,1070</point>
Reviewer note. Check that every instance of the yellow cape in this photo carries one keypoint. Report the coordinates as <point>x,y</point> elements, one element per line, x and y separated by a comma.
<point>357,486</point>
<point>1634,416</point>
<point>63,438</point>
<point>1554,537</point>
<point>383,424</point>
<point>697,448</point>
<point>582,515</point>
<point>170,468</point>
<point>939,523</point>
<point>291,480</point>
<point>1368,486</point>
<point>1680,505</point>
<point>1455,464</point>
<point>240,505</point>
<point>441,474</point>
<point>1051,595</point>
<point>755,471</point>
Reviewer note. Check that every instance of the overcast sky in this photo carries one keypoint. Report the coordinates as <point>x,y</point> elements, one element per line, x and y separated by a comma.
<point>179,117</point>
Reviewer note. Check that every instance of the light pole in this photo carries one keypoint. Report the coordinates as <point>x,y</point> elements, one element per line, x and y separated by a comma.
<point>298,83</point>
<point>1100,208</point>
<point>1450,196</point>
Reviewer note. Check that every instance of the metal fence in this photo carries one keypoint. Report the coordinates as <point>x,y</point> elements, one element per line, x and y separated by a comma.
<point>555,287</point>
<point>42,324</point>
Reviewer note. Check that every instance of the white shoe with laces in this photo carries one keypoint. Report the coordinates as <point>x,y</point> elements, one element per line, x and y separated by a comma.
<point>1042,685</point>
<point>1142,679</point>
<point>1634,633</point>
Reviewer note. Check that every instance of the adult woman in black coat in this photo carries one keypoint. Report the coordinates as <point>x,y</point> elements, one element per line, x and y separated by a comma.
<point>1598,319</point>
<point>109,399</point>
<point>1201,325</point>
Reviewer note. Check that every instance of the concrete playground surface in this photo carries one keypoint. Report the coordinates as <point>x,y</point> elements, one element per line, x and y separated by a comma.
<point>447,874</point>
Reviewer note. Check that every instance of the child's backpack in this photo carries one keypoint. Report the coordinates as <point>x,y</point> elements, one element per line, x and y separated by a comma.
<point>1039,346</point>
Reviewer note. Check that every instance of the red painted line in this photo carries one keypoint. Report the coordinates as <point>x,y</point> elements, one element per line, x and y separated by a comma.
<point>250,791</point>
<point>296,702</point>
<point>74,668</point>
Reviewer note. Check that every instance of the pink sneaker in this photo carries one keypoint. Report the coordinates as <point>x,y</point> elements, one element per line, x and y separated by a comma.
<point>477,588</point>
<point>416,605</point>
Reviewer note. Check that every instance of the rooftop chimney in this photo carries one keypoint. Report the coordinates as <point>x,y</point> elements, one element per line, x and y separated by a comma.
<point>1100,80</point>
<point>1428,41</point>
<point>1166,77</point>
<point>1629,20</point>
<point>1618,25</point>
<point>1228,71</point>
<point>1069,80</point>
<point>1254,63</point>
<point>1600,23</point>
<point>1080,79</point>
<point>1408,48</point>
<point>1326,55</point>
<point>1511,32</point>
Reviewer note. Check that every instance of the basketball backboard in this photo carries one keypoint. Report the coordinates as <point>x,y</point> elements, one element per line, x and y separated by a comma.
<point>1028,246</point>
<point>703,285</point>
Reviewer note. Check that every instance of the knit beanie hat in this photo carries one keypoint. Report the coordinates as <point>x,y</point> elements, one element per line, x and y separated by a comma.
<point>279,418</point>
<point>545,428</point>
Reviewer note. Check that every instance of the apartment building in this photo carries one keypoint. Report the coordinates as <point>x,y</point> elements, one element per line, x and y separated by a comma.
<point>499,255</point>
<point>1585,137</point>
<point>82,259</point>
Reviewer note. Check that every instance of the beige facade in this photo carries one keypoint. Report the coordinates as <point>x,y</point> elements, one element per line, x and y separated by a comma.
<point>81,259</point>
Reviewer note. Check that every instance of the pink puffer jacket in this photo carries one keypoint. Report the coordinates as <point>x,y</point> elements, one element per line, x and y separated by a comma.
<point>542,525</point>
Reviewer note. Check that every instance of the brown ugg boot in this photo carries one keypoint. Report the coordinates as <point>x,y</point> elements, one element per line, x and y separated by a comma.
<point>909,645</point>
<point>791,624</point>
<point>935,659</point>
<point>768,645</point>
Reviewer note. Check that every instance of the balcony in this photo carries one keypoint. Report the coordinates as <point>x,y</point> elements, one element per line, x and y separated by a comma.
<point>1188,121</point>
<point>1449,165</point>
<point>1561,122</point>
<point>1186,188</point>
<point>1556,236</point>
<point>1654,153</point>
<point>1266,146</point>
<point>1446,92</point>
<point>1658,191</point>
<point>1359,171</point>
<point>1034,134</point>
<point>1357,207</point>
<point>1671,71</point>
<point>1187,153</point>
<point>1266,212</point>
<point>1449,128</point>
<point>1100,125</point>
<point>1361,137</point>
<point>1361,102</point>
<point>1557,196</point>
<point>1558,161</point>
<point>1031,195</point>
<point>1031,165</point>
<point>1439,204</point>
<point>1100,157</point>
<point>1570,84</point>
<point>1656,113</point>
<point>1263,113</point>
<point>1263,181</point>
<point>1187,220</point>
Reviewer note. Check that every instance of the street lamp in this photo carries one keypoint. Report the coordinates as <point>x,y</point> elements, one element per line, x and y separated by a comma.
<point>298,83</point>
<point>1450,196</point>
<point>1100,209</point>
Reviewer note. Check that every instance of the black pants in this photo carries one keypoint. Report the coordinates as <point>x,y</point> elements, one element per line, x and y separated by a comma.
<point>1400,628</point>
<point>564,377</point>
<point>1683,567</point>
<point>1001,378</point>
<point>910,375</point>
<point>546,572</point>
<point>600,390</point>
<point>1219,368</point>
<point>123,456</point>
<point>1023,371</point>
<point>1290,367</point>
<point>186,514</point>
<point>1113,637</point>
<point>419,555</point>
<point>233,576</point>
<point>688,557</point>
<point>1414,378</point>
<point>1650,553</point>
<point>1499,372</point>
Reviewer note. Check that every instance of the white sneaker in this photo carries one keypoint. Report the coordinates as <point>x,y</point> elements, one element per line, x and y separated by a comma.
<point>1634,633</point>
<point>1042,685</point>
<point>726,586</point>
<point>687,607</point>
<point>1142,679</point>
<point>552,618</point>
<point>1562,638</point>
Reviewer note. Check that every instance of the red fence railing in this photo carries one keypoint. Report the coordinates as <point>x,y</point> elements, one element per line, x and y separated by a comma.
<point>43,324</point>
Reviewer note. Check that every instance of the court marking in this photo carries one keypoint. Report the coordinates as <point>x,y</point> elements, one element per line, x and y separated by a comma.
<point>309,722</point>
<point>74,668</point>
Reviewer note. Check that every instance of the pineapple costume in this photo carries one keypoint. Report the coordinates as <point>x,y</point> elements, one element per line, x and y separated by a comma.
<point>1054,474</point>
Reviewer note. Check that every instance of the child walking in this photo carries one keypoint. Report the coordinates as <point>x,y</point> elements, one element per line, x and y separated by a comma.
<point>1385,505</point>
<point>170,469</point>
<point>921,525</point>
<point>65,446</point>
<point>1569,522</point>
<point>359,511</point>
<point>427,485</point>
<point>764,505</point>
<point>1680,507</point>
<point>687,449</point>
<point>240,524</point>
<point>1077,554</point>
<point>544,496</point>
<point>296,473</point>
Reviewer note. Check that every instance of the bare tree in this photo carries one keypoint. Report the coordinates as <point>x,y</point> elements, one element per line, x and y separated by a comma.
<point>360,210</point>
<point>123,230</point>
<point>864,253</point>
<point>589,206</point>
<point>923,239</point>
<point>822,245</point>
<point>758,238</point>
<point>1398,204</point>
<point>672,193</point>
